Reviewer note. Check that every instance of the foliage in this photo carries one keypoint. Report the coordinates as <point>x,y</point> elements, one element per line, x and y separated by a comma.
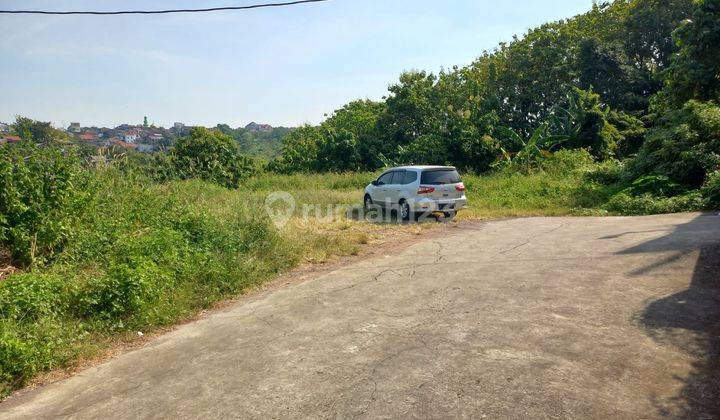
<point>300,151</point>
<point>684,145</point>
<point>41,196</point>
<point>531,153</point>
<point>591,79</point>
<point>142,255</point>
<point>629,204</point>
<point>631,133</point>
<point>257,144</point>
<point>711,191</point>
<point>606,69</point>
<point>212,156</point>
<point>695,71</point>
<point>38,131</point>
<point>556,188</point>
<point>608,172</point>
<point>655,185</point>
<point>357,123</point>
<point>583,124</point>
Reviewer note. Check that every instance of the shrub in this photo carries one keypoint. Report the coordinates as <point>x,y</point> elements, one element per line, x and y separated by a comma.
<point>625,203</point>
<point>565,161</point>
<point>212,156</point>
<point>29,296</point>
<point>711,191</point>
<point>684,145</point>
<point>631,133</point>
<point>606,173</point>
<point>41,196</point>
<point>655,185</point>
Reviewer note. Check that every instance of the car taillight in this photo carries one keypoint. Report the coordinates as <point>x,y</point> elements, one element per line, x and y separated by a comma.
<point>460,187</point>
<point>425,190</point>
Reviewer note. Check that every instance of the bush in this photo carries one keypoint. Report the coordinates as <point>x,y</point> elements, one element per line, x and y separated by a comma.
<point>30,296</point>
<point>625,203</point>
<point>684,146</point>
<point>566,161</point>
<point>41,197</point>
<point>212,156</point>
<point>711,191</point>
<point>606,173</point>
<point>655,185</point>
<point>631,133</point>
<point>143,255</point>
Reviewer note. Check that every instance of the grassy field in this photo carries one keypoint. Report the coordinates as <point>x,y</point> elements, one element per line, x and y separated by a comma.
<point>143,255</point>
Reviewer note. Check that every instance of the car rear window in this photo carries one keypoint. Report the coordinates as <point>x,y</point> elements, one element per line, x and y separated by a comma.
<point>440,176</point>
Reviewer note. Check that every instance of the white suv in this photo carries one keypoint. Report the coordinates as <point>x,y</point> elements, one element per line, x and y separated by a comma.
<point>418,190</point>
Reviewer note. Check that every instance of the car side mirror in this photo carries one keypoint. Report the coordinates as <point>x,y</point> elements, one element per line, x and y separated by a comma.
<point>375,183</point>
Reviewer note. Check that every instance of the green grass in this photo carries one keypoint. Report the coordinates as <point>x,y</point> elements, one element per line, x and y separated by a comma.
<point>506,194</point>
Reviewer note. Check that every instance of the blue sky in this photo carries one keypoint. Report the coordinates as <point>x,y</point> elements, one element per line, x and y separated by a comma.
<point>283,66</point>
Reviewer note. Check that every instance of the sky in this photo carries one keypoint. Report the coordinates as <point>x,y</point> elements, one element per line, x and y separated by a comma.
<point>282,66</point>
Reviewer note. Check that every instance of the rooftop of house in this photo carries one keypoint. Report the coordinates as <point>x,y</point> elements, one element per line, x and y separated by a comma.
<point>124,144</point>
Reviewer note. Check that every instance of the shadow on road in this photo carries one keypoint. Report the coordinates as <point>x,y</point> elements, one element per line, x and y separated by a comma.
<point>690,319</point>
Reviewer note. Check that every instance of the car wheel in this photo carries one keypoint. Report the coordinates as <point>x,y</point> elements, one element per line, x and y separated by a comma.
<point>368,202</point>
<point>405,211</point>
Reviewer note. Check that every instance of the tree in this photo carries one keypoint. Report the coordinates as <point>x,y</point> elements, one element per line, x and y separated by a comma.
<point>38,131</point>
<point>695,71</point>
<point>648,29</point>
<point>605,69</point>
<point>583,124</point>
<point>145,122</point>
<point>410,111</point>
<point>299,151</point>
<point>359,120</point>
<point>338,151</point>
<point>212,156</point>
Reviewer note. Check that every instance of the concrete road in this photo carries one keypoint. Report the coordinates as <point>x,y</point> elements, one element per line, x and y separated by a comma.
<point>534,318</point>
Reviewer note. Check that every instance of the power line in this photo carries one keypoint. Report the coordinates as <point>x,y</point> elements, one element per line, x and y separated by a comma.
<point>159,12</point>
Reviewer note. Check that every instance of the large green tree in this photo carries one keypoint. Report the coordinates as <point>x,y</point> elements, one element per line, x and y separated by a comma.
<point>695,71</point>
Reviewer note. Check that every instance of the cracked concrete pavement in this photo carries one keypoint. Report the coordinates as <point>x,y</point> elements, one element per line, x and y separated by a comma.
<point>538,317</point>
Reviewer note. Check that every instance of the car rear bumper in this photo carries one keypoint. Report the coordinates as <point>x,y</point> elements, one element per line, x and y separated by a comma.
<point>431,205</point>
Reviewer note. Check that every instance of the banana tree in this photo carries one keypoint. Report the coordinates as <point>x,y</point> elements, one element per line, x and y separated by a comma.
<point>536,148</point>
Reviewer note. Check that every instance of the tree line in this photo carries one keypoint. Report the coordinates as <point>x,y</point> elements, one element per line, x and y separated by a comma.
<point>634,80</point>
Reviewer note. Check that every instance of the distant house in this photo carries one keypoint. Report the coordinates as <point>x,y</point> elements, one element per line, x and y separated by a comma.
<point>74,127</point>
<point>11,139</point>
<point>131,136</point>
<point>88,137</point>
<point>124,144</point>
<point>255,127</point>
<point>4,128</point>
